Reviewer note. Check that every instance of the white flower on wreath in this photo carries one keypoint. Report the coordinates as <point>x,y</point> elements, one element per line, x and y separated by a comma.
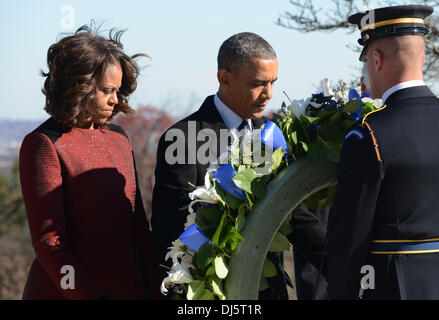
<point>234,148</point>
<point>342,92</point>
<point>177,251</point>
<point>298,107</point>
<point>246,147</point>
<point>206,193</point>
<point>181,263</point>
<point>190,220</point>
<point>326,88</point>
<point>177,275</point>
<point>231,155</point>
<point>342,96</point>
<point>185,260</point>
<point>377,103</point>
<point>177,246</point>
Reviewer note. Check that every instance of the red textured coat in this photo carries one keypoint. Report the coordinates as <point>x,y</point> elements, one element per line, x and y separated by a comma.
<point>84,210</point>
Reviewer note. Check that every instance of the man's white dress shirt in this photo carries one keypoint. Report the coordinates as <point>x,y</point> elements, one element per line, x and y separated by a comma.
<point>402,85</point>
<point>230,118</point>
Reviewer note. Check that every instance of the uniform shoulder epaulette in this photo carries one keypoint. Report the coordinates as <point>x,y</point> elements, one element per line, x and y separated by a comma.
<point>365,124</point>
<point>374,111</point>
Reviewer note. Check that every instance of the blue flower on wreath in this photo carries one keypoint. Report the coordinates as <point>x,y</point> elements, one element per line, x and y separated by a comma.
<point>330,104</point>
<point>365,95</point>
<point>318,97</point>
<point>353,94</point>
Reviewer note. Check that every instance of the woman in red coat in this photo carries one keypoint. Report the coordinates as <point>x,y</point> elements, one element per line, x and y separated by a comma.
<point>79,182</point>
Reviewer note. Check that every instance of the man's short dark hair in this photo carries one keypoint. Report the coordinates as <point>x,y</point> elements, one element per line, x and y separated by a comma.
<point>239,49</point>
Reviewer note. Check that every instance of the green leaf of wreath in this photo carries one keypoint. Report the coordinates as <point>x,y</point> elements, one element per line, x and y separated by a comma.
<point>263,284</point>
<point>304,146</point>
<point>211,215</point>
<point>330,131</point>
<point>325,114</point>
<point>269,269</point>
<point>196,290</point>
<point>352,106</point>
<point>367,107</point>
<point>346,124</point>
<point>210,271</point>
<point>332,151</point>
<point>230,200</point>
<point>209,295</point>
<point>316,150</point>
<point>278,155</point>
<point>205,255</point>
<point>244,179</point>
<point>258,188</point>
<point>279,243</point>
<point>240,219</point>
<point>217,287</point>
<point>217,234</point>
<point>231,236</point>
<point>293,138</point>
<point>277,118</point>
<point>286,228</point>
<point>335,118</point>
<point>309,120</point>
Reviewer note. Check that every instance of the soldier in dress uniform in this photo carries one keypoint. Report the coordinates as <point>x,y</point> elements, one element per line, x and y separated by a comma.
<point>384,227</point>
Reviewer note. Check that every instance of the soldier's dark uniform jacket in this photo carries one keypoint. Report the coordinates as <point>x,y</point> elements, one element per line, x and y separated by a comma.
<point>384,226</point>
<point>392,222</point>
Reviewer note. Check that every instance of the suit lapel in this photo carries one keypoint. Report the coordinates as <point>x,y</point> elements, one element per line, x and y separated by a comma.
<point>210,116</point>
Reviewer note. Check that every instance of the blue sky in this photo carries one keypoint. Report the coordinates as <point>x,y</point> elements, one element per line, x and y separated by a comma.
<point>182,37</point>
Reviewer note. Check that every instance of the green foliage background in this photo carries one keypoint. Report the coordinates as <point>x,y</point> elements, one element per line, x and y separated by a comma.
<point>16,252</point>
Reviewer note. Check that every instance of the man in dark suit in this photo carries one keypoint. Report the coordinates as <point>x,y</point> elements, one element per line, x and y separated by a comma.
<point>384,227</point>
<point>247,70</point>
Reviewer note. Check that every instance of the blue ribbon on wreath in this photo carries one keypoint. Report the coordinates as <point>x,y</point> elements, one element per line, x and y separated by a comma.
<point>273,137</point>
<point>223,176</point>
<point>193,237</point>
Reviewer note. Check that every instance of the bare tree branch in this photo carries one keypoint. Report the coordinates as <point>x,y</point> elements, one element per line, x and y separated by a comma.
<point>306,17</point>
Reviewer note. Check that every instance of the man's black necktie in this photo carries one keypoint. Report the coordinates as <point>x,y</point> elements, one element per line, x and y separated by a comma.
<point>244,124</point>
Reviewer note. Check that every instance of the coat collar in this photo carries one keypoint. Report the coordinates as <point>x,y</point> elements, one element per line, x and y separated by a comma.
<point>209,113</point>
<point>409,93</point>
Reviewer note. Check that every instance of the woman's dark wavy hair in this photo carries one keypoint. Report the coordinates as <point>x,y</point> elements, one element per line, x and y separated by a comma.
<point>76,63</point>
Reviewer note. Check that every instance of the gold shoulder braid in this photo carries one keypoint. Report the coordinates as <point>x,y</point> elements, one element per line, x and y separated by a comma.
<point>374,140</point>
